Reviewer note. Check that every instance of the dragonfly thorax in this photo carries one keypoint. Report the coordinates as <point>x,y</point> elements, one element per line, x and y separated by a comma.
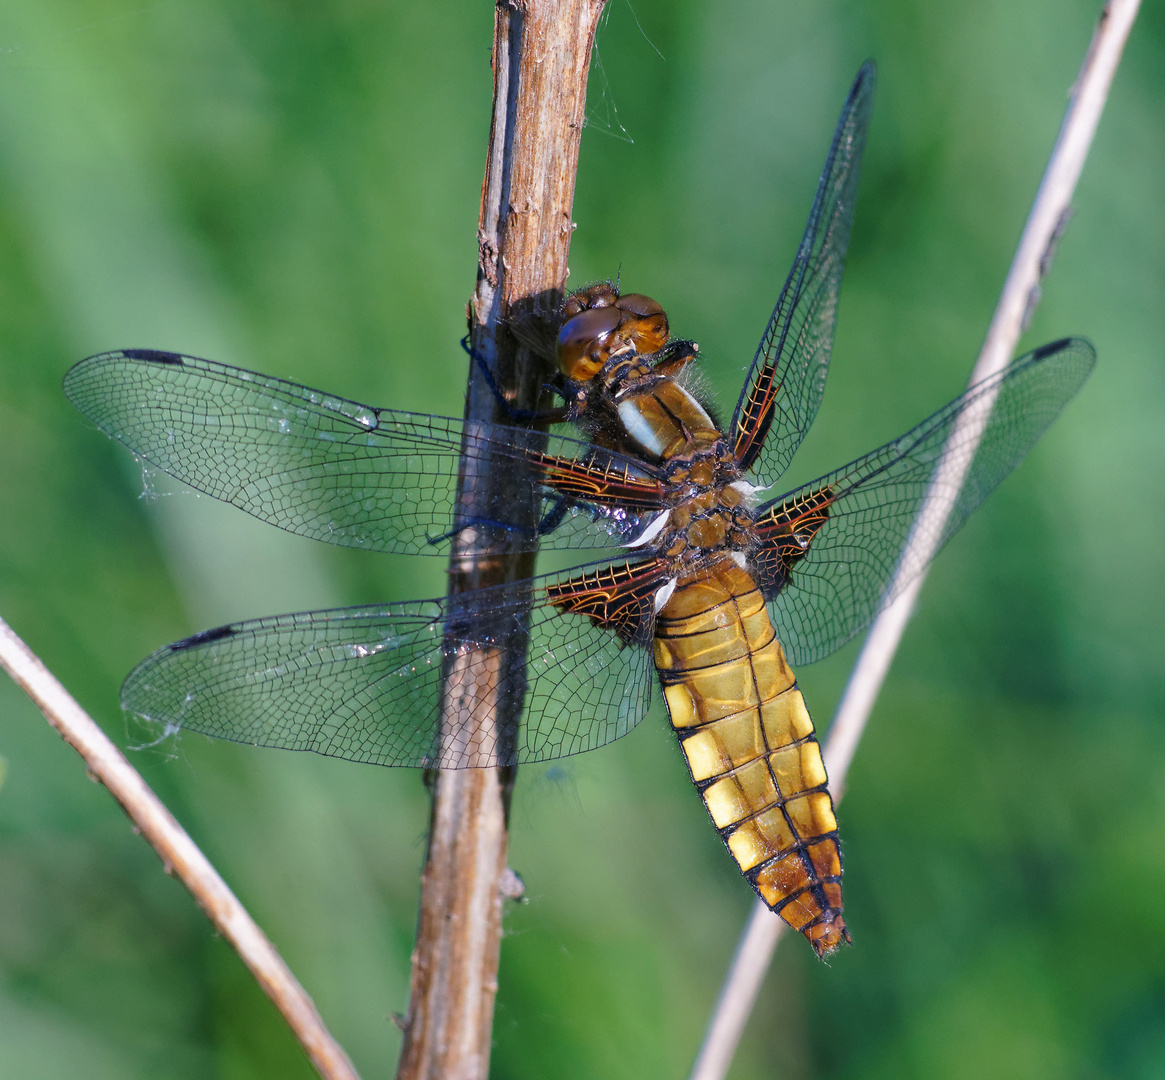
<point>714,520</point>
<point>633,403</point>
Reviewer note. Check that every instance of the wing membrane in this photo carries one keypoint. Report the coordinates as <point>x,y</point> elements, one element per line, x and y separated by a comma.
<point>335,470</point>
<point>364,683</point>
<point>841,580</point>
<point>787,379</point>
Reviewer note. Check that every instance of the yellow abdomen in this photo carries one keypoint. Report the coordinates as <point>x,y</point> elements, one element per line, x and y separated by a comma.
<point>750,746</point>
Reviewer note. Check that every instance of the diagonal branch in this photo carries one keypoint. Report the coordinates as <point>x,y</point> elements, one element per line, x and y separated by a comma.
<point>179,854</point>
<point>1020,295</point>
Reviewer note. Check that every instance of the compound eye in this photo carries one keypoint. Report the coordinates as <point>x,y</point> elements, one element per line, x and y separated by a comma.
<point>644,324</point>
<point>638,304</point>
<point>581,349</point>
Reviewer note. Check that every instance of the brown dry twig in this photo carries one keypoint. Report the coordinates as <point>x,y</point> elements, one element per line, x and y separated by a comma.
<point>1020,293</point>
<point>542,52</point>
<point>180,855</point>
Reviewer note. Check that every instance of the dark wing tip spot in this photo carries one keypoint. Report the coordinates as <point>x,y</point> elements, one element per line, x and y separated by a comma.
<point>1050,348</point>
<point>203,637</point>
<point>152,356</point>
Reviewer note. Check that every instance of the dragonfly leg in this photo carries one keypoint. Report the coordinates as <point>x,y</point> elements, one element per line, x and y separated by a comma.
<point>555,516</point>
<point>478,523</point>
<point>550,521</point>
<point>674,357</point>
<point>526,416</point>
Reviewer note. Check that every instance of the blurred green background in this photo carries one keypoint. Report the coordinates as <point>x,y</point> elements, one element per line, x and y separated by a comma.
<point>293,188</point>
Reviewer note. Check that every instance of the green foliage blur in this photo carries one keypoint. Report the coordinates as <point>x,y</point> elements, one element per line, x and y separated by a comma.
<point>293,188</point>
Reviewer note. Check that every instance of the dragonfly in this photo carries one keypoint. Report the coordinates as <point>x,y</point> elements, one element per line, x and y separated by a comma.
<point>700,578</point>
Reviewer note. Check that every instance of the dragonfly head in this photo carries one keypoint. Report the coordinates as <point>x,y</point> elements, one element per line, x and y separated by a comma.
<point>599,323</point>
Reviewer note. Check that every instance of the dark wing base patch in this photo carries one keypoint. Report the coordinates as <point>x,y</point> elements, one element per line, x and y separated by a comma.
<point>785,532</point>
<point>617,598</point>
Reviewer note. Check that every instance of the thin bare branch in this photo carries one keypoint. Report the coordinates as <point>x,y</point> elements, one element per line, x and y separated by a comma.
<point>542,51</point>
<point>179,854</point>
<point>1019,297</point>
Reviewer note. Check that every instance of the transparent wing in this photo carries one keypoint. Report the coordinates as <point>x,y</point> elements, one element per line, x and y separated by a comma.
<point>365,683</point>
<point>787,378</point>
<point>335,470</point>
<point>834,587</point>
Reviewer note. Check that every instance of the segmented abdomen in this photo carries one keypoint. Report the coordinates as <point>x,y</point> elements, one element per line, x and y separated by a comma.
<point>750,747</point>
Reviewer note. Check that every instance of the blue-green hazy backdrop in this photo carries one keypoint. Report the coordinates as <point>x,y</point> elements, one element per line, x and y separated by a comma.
<point>293,187</point>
